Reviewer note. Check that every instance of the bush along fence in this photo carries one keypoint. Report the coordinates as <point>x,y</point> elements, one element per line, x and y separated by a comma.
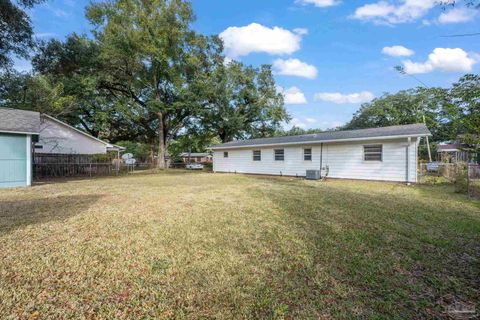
<point>465,177</point>
<point>47,166</point>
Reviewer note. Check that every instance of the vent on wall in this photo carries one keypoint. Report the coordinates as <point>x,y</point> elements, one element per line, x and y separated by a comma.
<point>313,175</point>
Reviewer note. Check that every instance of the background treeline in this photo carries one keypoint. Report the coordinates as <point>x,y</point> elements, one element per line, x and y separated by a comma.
<point>146,80</point>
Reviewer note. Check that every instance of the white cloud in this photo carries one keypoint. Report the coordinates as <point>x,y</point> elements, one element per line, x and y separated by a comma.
<point>292,95</point>
<point>294,67</point>
<point>340,98</point>
<point>295,122</point>
<point>385,12</point>
<point>45,35</point>
<point>398,51</point>
<point>310,120</point>
<point>241,41</point>
<point>319,3</point>
<point>457,15</point>
<point>442,59</point>
<point>326,125</point>
<point>301,31</point>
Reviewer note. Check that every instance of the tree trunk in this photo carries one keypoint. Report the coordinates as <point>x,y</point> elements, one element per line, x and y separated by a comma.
<point>151,156</point>
<point>161,142</point>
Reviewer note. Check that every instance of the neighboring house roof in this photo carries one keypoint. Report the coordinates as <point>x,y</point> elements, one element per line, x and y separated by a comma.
<point>19,121</point>
<point>110,147</point>
<point>448,147</point>
<point>402,131</point>
<point>195,154</point>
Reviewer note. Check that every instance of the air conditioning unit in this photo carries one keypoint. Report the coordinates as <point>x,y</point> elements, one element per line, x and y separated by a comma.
<point>313,175</point>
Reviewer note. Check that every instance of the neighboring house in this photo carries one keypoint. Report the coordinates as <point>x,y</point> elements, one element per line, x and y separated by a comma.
<point>389,154</point>
<point>196,157</point>
<point>455,152</point>
<point>60,138</point>
<point>17,131</point>
<point>21,129</point>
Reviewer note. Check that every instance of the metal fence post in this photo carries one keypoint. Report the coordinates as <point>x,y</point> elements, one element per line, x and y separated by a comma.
<point>468,179</point>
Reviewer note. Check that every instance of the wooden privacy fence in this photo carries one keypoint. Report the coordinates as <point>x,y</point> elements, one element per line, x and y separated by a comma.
<point>71,165</point>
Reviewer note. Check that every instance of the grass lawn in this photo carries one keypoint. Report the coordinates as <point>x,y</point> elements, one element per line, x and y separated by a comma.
<point>200,245</point>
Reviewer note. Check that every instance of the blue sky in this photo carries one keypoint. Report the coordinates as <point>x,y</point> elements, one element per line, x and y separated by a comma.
<point>328,55</point>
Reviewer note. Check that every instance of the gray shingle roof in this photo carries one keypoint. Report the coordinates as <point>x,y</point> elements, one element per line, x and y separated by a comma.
<point>13,120</point>
<point>413,130</point>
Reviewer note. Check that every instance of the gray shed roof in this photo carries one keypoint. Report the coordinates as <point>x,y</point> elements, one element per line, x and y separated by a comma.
<point>410,130</point>
<point>19,121</point>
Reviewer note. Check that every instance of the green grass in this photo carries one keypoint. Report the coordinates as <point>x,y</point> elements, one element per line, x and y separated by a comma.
<point>202,245</point>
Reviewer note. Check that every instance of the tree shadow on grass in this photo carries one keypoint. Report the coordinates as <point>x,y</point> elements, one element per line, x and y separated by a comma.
<point>374,254</point>
<point>21,213</point>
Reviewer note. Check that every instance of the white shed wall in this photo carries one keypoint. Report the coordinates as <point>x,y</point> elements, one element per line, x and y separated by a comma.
<point>345,160</point>
<point>58,138</point>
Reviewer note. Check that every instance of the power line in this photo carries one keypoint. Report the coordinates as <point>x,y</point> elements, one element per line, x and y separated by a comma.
<point>462,35</point>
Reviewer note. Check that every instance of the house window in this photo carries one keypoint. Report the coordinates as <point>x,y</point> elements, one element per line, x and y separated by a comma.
<point>307,154</point>
<point>373,152</point>
<point>257,155</point>
<point>279,154</point>
<point>225,154</point>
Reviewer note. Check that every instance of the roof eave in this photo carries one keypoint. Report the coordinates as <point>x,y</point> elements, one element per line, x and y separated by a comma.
<point>322,141</point>
<point>19,132</point>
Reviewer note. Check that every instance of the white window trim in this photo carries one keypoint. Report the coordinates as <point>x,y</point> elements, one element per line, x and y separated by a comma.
<point>311,154</point>
<point>253,155</point>
<point>275,157</point>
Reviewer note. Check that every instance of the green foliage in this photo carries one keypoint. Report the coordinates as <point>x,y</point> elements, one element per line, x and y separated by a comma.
<point>152,62</point>
<point>461,182</point>
<point>140,150</point>
<point>243,102</point>
<point>296,131</point>
<point>450,114</point>
<point>15,31</point>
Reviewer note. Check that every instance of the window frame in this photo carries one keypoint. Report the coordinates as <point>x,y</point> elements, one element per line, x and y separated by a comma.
<point>370,153</point>
<point>259,155</point>
<point>225,154</point>
<point>275,154</point>
<point>310,154</point>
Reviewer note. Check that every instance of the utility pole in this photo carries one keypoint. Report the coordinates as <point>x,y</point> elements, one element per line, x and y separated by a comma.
<point>428,142</point>
<point>401,70</point>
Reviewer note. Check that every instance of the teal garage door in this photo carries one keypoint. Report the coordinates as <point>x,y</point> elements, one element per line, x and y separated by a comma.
<point>13,160</point>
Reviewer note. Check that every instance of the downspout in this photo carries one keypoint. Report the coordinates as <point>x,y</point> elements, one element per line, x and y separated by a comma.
<point>409,141</point>
<point>321,159</point>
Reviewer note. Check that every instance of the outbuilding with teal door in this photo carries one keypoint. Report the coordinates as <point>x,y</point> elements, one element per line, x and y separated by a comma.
<point>18,128</point>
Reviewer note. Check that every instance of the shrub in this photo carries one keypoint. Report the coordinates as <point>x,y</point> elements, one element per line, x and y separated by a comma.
<point>461,182</point>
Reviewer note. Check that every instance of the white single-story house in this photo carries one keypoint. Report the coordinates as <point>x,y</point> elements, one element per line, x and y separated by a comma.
<point>25,133</point>
<point>57,137</point>
<point>386,154</point>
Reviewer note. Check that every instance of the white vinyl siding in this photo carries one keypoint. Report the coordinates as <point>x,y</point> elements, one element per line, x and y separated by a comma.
<point>58,138</point>
<point>345,160</point>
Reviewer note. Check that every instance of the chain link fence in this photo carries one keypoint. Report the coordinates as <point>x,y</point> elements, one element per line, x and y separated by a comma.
<point>473,177</point>
<point>465,177</point>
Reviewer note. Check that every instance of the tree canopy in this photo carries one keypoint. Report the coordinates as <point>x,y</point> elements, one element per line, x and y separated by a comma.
<point>15,30</point>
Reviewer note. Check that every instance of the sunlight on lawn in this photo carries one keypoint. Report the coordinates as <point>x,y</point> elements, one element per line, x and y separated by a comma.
<point>199,245</point>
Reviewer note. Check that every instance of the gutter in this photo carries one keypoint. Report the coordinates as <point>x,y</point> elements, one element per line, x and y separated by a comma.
<point>20,132</point>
